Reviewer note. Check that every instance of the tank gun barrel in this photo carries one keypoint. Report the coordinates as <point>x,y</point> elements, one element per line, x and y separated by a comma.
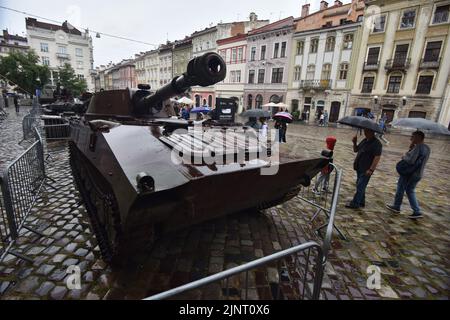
<point>204,71</point>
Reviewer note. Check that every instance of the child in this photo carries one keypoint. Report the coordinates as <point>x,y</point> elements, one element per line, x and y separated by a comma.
<point>324,175</point>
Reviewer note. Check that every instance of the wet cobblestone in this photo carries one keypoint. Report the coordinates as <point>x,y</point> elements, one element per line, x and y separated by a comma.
<point>412,255</point>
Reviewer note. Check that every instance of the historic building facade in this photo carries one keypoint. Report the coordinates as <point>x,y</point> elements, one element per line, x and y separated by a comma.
<point>12,43</point>
<point>60,44</point>
<point>403,64</point>
<point>234,51</point>
<point>267,68</point>
<point>324,49</point>
<point>182,54</point>
<point>206,41</point>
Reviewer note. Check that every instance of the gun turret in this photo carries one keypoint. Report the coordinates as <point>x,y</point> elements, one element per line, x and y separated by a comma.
<point>204,71</point>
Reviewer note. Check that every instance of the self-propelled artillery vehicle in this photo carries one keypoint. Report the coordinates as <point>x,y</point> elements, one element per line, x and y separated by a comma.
<point>142,172</point>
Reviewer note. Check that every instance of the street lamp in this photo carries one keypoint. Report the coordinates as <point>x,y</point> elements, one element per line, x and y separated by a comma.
<point>376,99</point>
<point>404,99</point>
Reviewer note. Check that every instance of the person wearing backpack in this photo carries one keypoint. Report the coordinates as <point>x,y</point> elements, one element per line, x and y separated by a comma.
<point>411,169</point>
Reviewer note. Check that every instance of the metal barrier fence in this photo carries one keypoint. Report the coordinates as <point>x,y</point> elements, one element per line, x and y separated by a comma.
<point>321,193</point>
<point>50,127</point>
<point>324,198</point>
<point>307,268</point>
<point>20,186</point>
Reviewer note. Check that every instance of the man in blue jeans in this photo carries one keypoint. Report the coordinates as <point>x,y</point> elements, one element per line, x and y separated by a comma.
<point>369,155</point>
<point>418,154</point>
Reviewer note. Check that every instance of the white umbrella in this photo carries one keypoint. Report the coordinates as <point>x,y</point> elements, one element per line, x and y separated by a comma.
<point>281,105</point>
<point>271,104</point>
<point>185,100</point>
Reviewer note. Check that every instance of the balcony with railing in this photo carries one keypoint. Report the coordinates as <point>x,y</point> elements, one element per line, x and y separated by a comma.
<point>400,63</point>
<point>60,55</point>
<point>371,65</point>
<point>315,84</point>
<point>430,63</point>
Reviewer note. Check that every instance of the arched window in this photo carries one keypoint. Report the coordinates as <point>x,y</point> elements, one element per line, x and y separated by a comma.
<point>311,70</point>
<point>275,99</point>
<point>259,101</point>
<point>326,71</point>
<point>343,71</point>
<point>249,101</point>
<point>197,100</point>
<point>204,102</point>
<point>395,81</point>
<point>329,46</point>
<point>210,101</point>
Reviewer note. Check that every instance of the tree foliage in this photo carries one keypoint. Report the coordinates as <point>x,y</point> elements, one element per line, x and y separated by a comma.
<point>69,80</point>
<point>24,72</point>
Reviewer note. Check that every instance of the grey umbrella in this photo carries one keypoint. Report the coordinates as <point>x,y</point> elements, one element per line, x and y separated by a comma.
<point>421,124</point>
<point>361,123</point>
<point>256,113</point>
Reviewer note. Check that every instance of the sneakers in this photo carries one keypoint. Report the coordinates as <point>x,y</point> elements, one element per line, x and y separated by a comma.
<point>416,216</point>
<point>351,205</point>
<point>392,208</point>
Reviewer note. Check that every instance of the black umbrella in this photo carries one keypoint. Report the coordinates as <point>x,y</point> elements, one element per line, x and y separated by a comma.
<point>256,113</point>
<point>421,124</point>
<point>361,123</point>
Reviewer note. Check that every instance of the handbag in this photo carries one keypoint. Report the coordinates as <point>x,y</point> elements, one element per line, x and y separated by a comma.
<point>406,169</point>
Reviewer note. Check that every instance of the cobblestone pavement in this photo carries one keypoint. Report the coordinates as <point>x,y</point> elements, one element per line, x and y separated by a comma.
<point>412,255</point>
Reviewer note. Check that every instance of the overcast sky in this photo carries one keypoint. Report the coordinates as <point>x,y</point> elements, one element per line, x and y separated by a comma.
<point>150,21</point>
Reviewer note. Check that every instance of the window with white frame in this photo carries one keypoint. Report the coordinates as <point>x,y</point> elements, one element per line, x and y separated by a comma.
<point>297,73</point>
<point>44,47</point>
<point>240,54</point>
<point>263,53</point>
<point>283,50</point>
<point>326,71</point>
<point>330,43</point>
<point>233,55</point>
<point>348,41</point>
<point>408,19</point>
<point>343,71</point>
<point>251,76</point>
<point>45,61</point>
<point>238,76</point>
<point>253,54</point>
<point>314,45</point>
<point>261,75</point>
<point>310,72</point>
<point>441,14</point>
<point>78,52</point>
<point>379,23</point>
<point>300,47</point>
<point>394,84</point>
<point>276,48</point>
<point>62,50</point>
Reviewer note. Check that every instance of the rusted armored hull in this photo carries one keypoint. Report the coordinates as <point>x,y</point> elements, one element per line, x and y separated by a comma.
<point>183,194</point>
<point>214,196</point>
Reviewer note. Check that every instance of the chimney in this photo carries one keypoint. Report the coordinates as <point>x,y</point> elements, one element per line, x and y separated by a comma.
<point>338,3</point>
<point>305,10</point>
<point>323,5</point>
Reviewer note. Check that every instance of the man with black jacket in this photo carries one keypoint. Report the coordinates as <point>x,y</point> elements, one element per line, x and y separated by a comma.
<point>366,161</point>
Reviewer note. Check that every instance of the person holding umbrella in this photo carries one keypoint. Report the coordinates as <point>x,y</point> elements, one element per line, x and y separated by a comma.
<point>282,119</point>
<point>368,156</point>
